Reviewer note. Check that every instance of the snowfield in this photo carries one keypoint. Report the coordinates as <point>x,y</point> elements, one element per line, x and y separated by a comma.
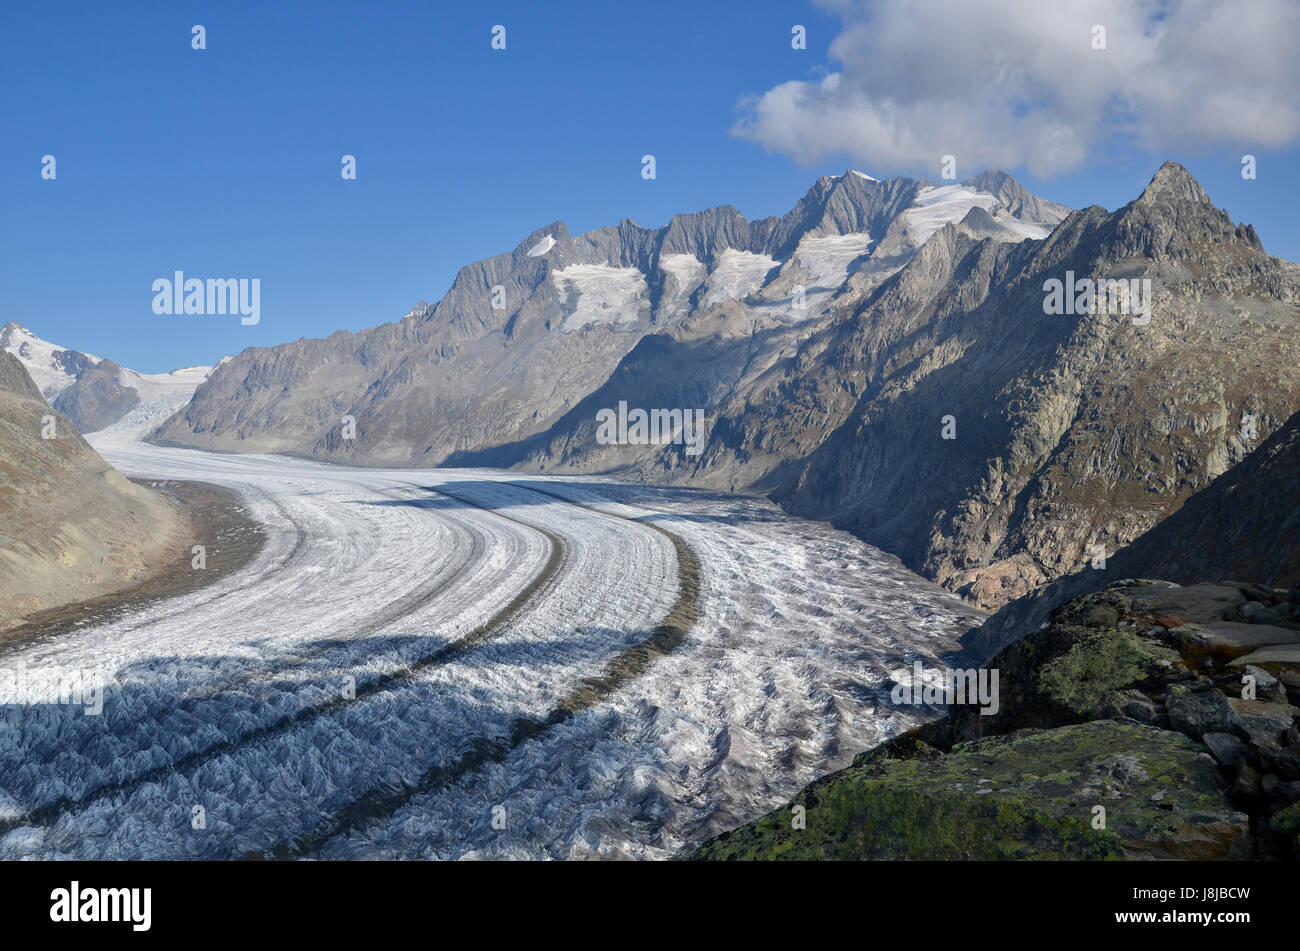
<point>737,275</point>
<point>937,206</point>
<point>466,664</point>
<point>604,294</point>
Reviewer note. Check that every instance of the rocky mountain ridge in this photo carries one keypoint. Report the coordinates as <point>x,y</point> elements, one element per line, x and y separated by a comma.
<point>884,356</point>
<point>520,338</point>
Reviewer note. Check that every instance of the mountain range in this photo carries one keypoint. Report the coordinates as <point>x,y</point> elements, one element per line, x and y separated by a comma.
<point>882,357</point>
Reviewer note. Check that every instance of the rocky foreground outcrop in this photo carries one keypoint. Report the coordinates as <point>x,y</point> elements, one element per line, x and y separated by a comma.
<point>1145,721</point>
<point>71,527</point>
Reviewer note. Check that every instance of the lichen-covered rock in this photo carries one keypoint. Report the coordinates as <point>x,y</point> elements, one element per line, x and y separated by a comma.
<point>1030,794</point>
<point>1135,674</point>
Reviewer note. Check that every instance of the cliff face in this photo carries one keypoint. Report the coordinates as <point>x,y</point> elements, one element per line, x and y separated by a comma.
<point>96,398</point>
<point>1244,525</point>
<point>71,527</point>
<point>1071,432</point>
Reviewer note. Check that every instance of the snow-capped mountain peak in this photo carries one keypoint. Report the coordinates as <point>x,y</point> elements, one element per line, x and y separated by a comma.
<point>96,394</point>
<point>50,366</point>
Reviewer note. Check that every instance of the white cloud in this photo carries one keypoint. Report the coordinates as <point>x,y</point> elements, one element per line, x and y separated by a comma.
<point>1017,83</point>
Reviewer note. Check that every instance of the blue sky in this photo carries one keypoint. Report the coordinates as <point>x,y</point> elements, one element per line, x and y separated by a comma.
<point>225,162</point>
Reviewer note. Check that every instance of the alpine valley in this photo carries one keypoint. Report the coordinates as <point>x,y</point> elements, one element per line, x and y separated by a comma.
<point>880,357</point>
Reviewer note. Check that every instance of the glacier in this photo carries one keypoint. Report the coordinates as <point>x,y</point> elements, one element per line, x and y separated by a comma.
<point>401,624</point>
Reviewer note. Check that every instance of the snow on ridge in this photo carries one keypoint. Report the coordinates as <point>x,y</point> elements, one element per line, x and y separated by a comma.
<point>686,272</point>
<point>687,269</point>
<point>1023,228</point>
<point>605,294</point>
<point>541,247</point>
<point>863,175</point>
<point>161,394</point>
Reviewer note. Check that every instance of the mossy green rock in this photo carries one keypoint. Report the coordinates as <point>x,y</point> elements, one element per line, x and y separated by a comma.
<point>1025,795</point>
<point>1084,680</point>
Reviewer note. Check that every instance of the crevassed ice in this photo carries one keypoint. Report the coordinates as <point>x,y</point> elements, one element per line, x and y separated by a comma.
<point>826,259</point>
<point>161,395</point>
<point>1024,228</point>
<point>686,269</point>
<point>686,272</point>
<point>737,275</point>
<point>781,680</point>
<point>604,294</point>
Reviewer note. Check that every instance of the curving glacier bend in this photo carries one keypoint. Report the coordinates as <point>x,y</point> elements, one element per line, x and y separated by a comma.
<point>395,674</point>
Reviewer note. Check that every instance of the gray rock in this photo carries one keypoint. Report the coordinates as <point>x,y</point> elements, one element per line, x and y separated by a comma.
<point>1197,712</point>
<point>1135,705</point>
<point>1287,762</point>
<point>1266,724</point>
<point>1267,687</point>
<point>1280,792</point>
<point>1248,784</point>
<point>1253,612</point>
<point>1226,747</point>
<point>97,398</point>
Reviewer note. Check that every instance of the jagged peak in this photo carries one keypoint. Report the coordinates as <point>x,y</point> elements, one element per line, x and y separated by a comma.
<point>993,179</point>
<point>1172,182</point>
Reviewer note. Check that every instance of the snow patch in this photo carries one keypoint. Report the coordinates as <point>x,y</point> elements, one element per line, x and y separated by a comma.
<point>686,269</point>
<point>737,275</point>
<point>1024,228</point>
<point>826,259</point>
<point>541,247</point>
<point>161,395</point>
<point>604,294</point>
